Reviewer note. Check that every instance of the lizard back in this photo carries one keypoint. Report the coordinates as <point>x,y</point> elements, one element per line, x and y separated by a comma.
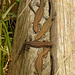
<point>38,16</point>
<point>39,60</point>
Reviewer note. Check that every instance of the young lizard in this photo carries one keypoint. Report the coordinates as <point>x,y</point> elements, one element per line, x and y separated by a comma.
<point>47,24</point>
<point>39,44</point>
<point>39,60</point>
<point>36,44</point>
<point>38,15</point>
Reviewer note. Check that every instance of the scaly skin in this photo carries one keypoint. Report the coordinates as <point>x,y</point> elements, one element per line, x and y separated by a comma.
<point>39,44</point>
<point>45,28</point>
<point>39,60</point>
<point>38,16</point>
<point>47,24</point>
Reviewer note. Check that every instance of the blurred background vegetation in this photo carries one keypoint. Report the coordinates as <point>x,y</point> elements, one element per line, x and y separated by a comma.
<point>8,14</point>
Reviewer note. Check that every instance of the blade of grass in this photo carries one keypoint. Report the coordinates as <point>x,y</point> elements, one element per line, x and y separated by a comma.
<point>3,58</point>
<point>8,38</point>
<point>5,37</point>
<point>0,44</point>
<point>4,50</point>
<point>13,15</point>
<point>0,13</point>
<point>6,24</point>
<point>4,15</point>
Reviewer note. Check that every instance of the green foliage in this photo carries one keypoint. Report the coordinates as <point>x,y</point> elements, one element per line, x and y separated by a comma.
<point>5,36</point>
<point>0,45</point>
<point>17,1</point>
<point>5,14</point>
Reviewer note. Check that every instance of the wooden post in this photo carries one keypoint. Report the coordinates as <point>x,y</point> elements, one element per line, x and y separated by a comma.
<point>63,36</point>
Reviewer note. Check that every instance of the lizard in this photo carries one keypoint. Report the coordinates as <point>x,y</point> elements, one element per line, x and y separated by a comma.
<point>39,60</point>
<point>47,24</point>
<point>38,15</point>
<point>36,44</point>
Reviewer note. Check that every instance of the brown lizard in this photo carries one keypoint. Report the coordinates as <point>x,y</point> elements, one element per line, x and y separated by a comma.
<point>38,15</point>
<point>47,24</point>
<point>39,60</point>
<point>39,44</point>
<point>36,44</point>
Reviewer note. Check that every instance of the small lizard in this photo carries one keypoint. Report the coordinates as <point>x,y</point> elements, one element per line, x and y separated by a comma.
<point>39,44</point>
<point>36,44</point>
<point>47,24</point>
<point>39,60</point>
<point>38,15</point>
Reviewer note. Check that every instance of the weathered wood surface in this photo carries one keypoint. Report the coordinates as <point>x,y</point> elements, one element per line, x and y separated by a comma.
<point>63,36</point>
<point>25,65</point>
<point>15,68</point>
